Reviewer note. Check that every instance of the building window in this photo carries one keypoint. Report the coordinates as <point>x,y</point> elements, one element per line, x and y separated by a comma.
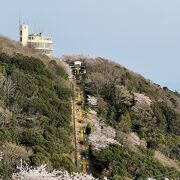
<point>20,39</point>
<point>21,32</point>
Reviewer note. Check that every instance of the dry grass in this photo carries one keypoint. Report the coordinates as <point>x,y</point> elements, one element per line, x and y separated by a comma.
<point>12,47</point>
<point>165,161</point>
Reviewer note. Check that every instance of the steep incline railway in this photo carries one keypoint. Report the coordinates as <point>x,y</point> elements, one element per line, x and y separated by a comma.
<point>80,118</point>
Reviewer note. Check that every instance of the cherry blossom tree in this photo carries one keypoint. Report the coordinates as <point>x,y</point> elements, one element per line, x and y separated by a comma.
<point>40,173</point>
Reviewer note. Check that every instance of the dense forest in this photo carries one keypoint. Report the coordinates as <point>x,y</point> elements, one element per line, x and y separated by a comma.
<point>35,114</point>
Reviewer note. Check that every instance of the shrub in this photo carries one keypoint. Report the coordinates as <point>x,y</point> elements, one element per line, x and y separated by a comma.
<point>88,129</point>
<point>119,162</point>
<point>38,159</point>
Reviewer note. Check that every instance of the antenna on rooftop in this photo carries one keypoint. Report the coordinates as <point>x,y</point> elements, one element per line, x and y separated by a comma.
<point>34,28</point>
<point>19,21</point>
<point>42,30</point>
<point>19,18</point>
<point>39,30</point>
<point>19,24</point>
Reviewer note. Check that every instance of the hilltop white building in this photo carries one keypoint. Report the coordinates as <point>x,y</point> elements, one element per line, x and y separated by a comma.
<point>36,41</point>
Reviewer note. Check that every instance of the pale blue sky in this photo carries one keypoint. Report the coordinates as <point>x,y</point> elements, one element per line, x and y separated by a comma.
<point>143,35</point>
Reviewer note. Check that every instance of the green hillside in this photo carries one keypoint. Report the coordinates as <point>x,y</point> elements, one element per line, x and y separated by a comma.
<point>145,116</point>
<point>157,124</point>
<point>35,114</point>
<point>139,116</point>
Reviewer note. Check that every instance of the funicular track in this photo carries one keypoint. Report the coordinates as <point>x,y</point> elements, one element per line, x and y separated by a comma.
<point>74,127</point>
<point>80,119</point>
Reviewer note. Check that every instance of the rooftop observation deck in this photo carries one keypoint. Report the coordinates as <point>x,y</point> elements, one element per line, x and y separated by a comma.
<point>39,37</point>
